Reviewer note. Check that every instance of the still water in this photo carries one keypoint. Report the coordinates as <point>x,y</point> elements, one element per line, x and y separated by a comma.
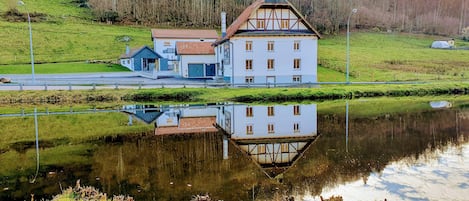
<point>360,150</point>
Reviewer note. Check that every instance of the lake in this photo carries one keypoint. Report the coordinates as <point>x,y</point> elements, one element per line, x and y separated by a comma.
<point>365,149</point>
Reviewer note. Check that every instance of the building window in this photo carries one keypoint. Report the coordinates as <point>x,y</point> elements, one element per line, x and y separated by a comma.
<point>128,61</point>
<point>249,112</point>
<point>297,79</point>
<point>248,46</point>
<point>296,127</point>
<point>260,24</point>
<point>296,64</point>
<point>167,43</point>
<point>285,148</point>
<point>249,130</point>
<point>270,64</point>
<point>270,111</point>
<point>249,79</point>
<point>261,149</point>
<point>249,64</point>
<point>270,46</point>
<point>270,128</point>
<point>296,110</point>
<point>285,24</point>
<point>296,45</point>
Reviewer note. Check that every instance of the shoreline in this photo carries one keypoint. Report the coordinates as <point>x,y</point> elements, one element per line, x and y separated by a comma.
<point>242,95</point>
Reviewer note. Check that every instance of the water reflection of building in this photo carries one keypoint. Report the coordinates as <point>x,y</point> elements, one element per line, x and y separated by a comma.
<point>176,119</point>
<point>145,113</point>
<point>187,120</point>
<point>273,136</point>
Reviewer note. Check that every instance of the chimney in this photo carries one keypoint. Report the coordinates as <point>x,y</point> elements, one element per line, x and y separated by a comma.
<point>127,49</point>
<point>223,24</point>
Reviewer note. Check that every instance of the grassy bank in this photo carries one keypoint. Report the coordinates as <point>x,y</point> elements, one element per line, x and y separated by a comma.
<point>324,92</point>
<point>55,68</point>
<point>17,132</point>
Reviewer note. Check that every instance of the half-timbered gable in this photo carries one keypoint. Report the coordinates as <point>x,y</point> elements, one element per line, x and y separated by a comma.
<point>269,43</point>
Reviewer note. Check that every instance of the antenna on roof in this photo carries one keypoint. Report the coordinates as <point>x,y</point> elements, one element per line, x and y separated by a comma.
<point>126,39</point>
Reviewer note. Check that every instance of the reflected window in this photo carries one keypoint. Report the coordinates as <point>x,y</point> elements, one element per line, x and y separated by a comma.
<point>260,24</point>
<point>261,149</point>
<point>270,64</point>
<point>296,127</point>
<point>296,45</point>
<point>285,24</point>
<point>248,46</point>
<point>285,148</point>
<point>296,110</point>
<point>296,64</point>
<point>249,64</point>
<point>297,79</point>
<point>249,79</point>
<point>270,46</point>
<point>270,128</point>
<point>270,111</point>
<point>249,130</point>
<point>249,112</point>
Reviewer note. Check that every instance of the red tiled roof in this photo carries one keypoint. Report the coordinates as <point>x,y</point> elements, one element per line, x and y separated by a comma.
<point>194,48</point>
<point>184,33</point>
<point>244,16</point>
<point>189,125</point>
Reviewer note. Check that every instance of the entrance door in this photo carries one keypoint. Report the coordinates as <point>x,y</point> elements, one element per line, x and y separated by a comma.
<point>210,70</point>
<point>270,80</point>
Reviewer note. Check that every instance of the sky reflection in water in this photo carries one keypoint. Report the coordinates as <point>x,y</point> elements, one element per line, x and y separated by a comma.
<point>441,175</point>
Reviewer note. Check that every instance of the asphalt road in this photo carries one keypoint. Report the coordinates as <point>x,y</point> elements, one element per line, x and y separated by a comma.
<point>97,80</point>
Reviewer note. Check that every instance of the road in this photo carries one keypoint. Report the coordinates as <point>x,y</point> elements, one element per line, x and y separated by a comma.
<point>97,80</point>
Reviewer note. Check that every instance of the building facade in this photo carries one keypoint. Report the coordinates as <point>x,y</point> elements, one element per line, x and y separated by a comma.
<point>165,40</point>
<point>270,42</point>
<point>196,59</point>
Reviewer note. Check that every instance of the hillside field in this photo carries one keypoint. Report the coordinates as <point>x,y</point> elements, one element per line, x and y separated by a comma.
<point>69,35</point>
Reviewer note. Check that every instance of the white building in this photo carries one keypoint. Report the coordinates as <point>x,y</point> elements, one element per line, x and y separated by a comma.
<point>165,40</point>
<point>243,122</point>
<point>270,42</point>
<point>273,136</point>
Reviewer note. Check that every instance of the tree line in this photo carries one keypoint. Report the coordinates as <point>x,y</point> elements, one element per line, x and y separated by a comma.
<point>442,17</point>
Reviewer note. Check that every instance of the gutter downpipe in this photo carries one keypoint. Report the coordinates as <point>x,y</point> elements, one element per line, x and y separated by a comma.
<point>232,64</point>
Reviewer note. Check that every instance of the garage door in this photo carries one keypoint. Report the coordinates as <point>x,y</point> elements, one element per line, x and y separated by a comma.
<point>196,70</point>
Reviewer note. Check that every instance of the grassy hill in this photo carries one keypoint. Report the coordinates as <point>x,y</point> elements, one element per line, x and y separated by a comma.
<point>69,34</point>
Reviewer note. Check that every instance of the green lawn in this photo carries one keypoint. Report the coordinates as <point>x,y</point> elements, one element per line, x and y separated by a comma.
<point>70,35</point>
<point>52,68</point>
<point>394,56</point>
